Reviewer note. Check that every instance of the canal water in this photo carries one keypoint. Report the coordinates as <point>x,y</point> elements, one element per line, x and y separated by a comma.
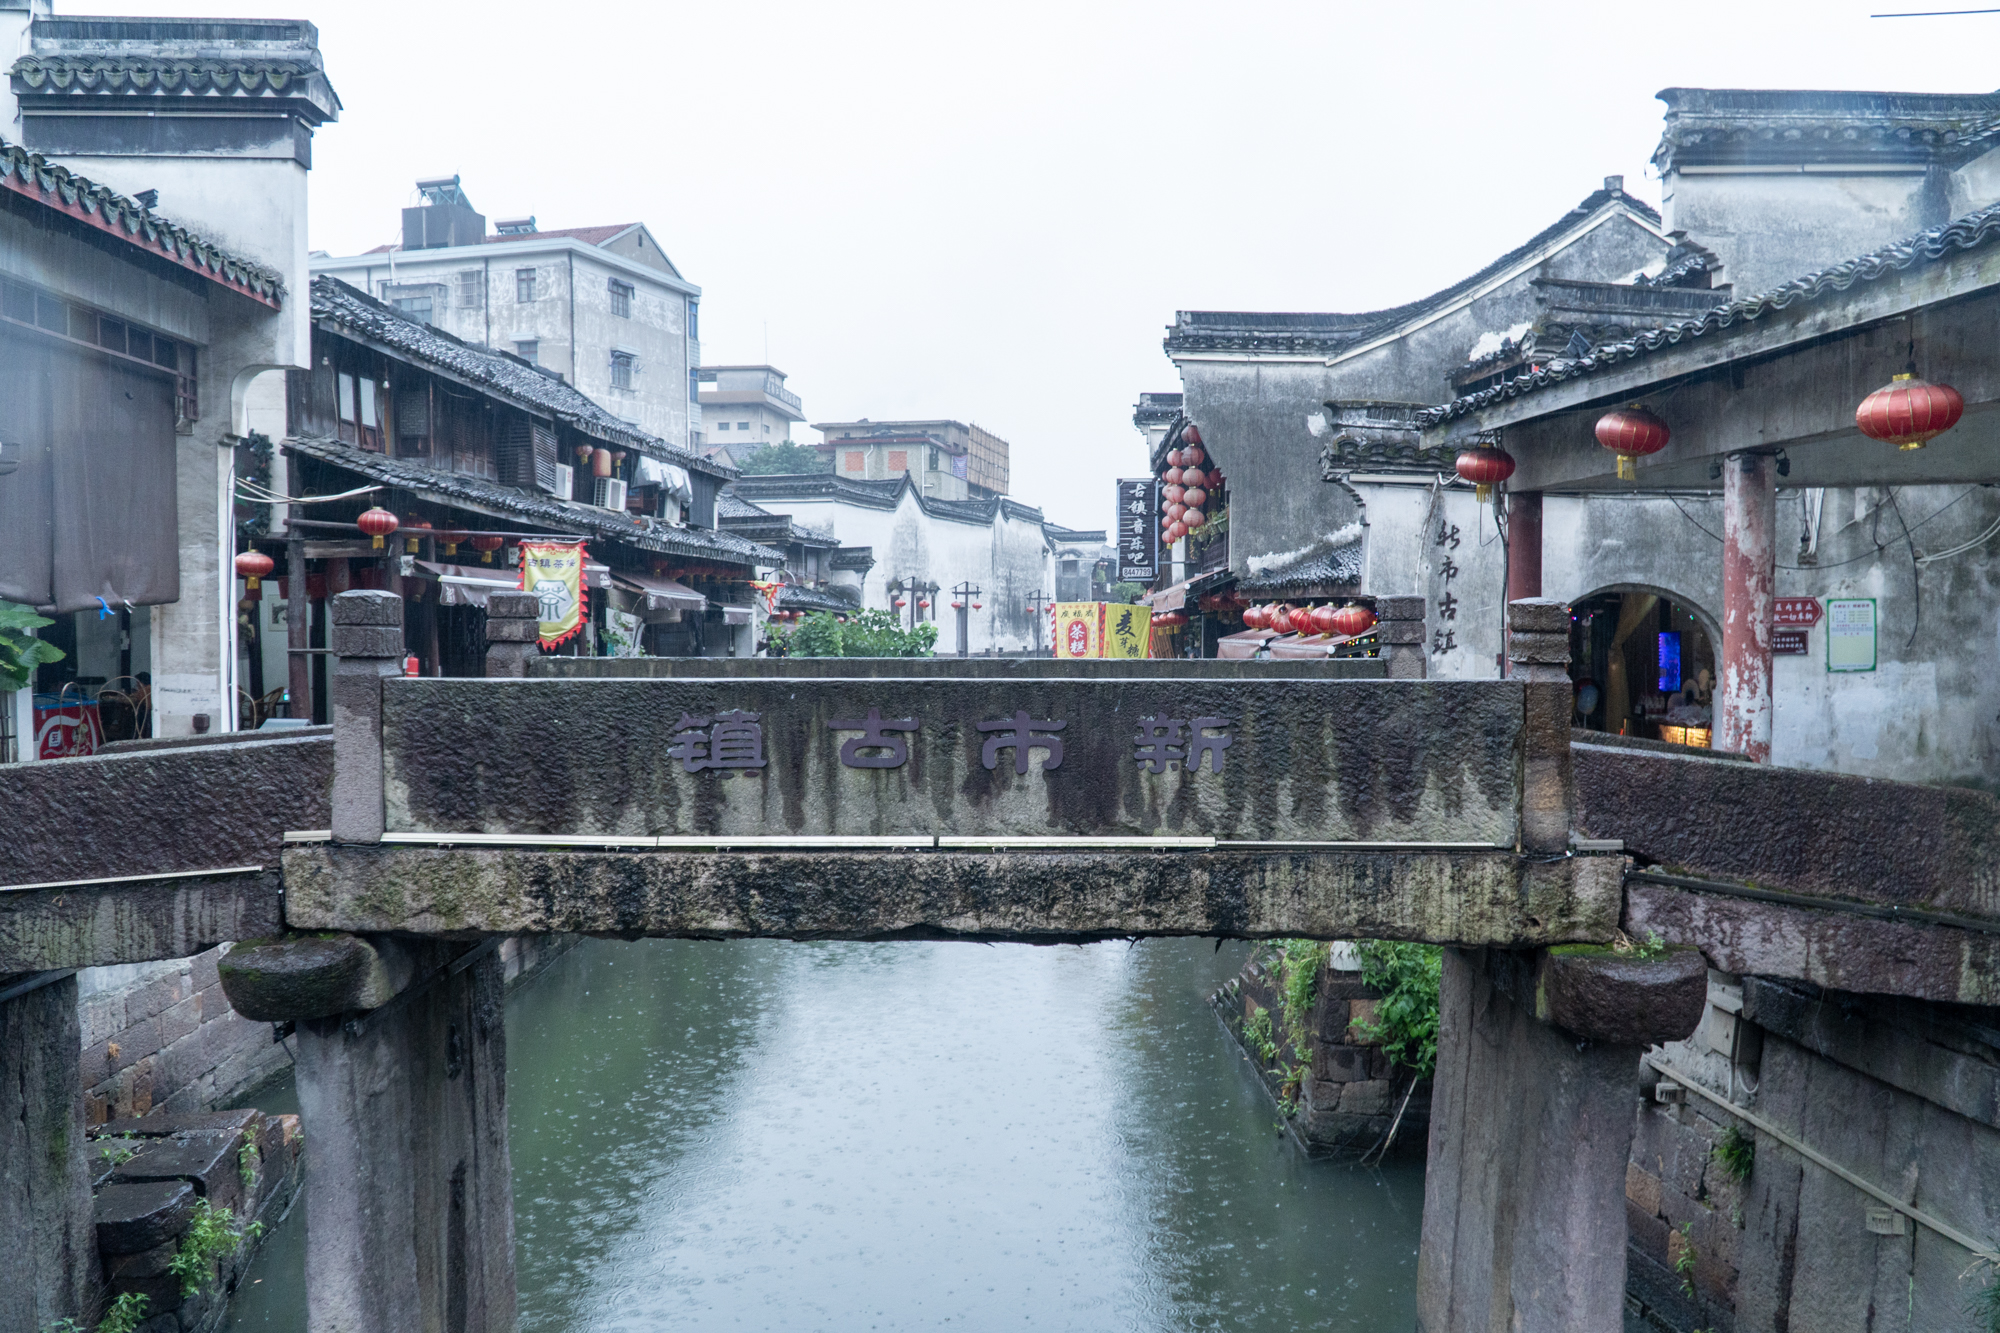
<point>762,1135</point>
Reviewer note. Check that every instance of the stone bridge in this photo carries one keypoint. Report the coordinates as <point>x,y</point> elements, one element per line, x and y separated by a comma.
<point>372,873</point>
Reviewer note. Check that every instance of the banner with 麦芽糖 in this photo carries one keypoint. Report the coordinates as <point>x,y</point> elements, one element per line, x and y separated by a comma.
<point>553,573</point>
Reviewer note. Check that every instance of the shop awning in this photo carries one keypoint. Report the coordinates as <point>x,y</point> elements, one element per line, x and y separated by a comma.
<point>1242,647</point>
<point>738,615</point>
<point>661,594</point>
<point>1172,599</point>
<point>469,585</point>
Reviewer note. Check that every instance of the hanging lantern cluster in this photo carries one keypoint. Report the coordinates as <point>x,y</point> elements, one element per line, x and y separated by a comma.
<point>1485,466</point>
<point>1909,413</point>
<point>1631,433</point>
<point>1349,621</point>
<point>1188,486</point>
<point>1169,619</point>
<point>252,566</point>
<point>377,523</point>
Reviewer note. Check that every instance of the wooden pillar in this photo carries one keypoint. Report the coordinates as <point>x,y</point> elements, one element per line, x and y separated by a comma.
<point>1524,544</point>
<point>298,625</point>
<point>1749,575</point>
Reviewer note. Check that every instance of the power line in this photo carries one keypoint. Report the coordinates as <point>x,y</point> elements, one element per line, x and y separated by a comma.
<point>1933,13</point>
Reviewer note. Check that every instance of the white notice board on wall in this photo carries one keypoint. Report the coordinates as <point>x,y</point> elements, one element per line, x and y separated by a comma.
<point>1850,634</point>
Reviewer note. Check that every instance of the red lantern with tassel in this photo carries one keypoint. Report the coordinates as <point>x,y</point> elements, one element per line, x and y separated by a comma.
<point>1193,518</point>
<point>1485,466</point>
<point>1352,620</point>
<point>1193,476</point>
<point>1172,476</point>
<point>1191,435</point>
<point>1172,494</point>
<point>1253,617</point>
<point>1195,457</point>
<point>1322,618</point>
<point>1909,413</point>
<point>1631,433</point>
<point>486,546</point>
<point>377,523</point>
<point>1176,532</point>
<point>1281,619</point>
<point>252,566</point>
<point>1194,497</point>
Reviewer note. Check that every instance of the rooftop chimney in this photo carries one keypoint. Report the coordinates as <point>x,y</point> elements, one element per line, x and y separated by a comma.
<point>1614,185</point>
<point>445,218</point>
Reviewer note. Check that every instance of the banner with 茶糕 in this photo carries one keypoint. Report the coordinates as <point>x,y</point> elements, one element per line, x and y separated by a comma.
<point>553,573</point>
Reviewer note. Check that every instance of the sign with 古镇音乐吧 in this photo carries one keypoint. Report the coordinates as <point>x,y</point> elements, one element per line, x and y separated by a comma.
<point>1850,634</point>
<point>1138,530</point>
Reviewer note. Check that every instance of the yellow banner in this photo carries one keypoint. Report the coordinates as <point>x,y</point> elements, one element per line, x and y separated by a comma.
<point>554,574</point>
<point>1127,630</point>
<point>1079,629</point>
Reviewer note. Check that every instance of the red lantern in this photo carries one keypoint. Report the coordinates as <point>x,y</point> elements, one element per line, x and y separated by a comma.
<point>923,604</point>
<point>451,538</point>
<point>958,606</point>
<point>1176,532</point>
<point>1193,476</point>
<point>377,523</point>
<point>1322,619</point>
<point>252,566</point>
<point>1281,618</point>
<point>978,607</point>
<point>600,462</point>
<point>1195,457</point>
<point>1175,458</point>
<point>900,603</point>
<point>1174,511</point>
<point>1191,434</point>
<point>1352,620</point>
<point>1485,467</point>
<point>1253,617</point>
<point>486,546</point>
<point>1172,494</point>
<point>1194,497</point>
<point>1193,518</point>
<point>1629,433</point>
<point>1172,476</point>
<point>414,532</point>
<point>1909,413</point>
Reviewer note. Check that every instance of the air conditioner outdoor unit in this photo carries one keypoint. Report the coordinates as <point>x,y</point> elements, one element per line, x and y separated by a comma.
<point>565,481</point>
<point>608,493</point>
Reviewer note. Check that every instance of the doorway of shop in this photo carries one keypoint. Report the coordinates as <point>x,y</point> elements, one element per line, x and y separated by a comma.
<point>1644,664</point>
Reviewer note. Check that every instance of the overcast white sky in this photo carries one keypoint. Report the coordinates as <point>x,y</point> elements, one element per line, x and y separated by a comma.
<point>991,212</point>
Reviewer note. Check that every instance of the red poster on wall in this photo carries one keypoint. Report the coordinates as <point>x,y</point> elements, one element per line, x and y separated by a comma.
<point>1802,611</point>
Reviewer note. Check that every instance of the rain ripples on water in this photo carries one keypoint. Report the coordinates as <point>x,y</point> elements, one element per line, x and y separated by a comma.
<point>761,1135</point>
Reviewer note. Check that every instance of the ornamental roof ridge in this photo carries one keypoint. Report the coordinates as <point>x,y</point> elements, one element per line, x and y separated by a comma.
<point>1278,332</point>
<point>1772,123</point>
<point>51,183</point>
<point>1964,233</point>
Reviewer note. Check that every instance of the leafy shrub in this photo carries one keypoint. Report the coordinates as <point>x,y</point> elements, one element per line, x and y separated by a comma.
<point>874,633</point>
<point>211,1235</point>
<point>1258,1035</point>
<point>1736,1154</point>
<point>1406,1017</point>
<point>20,651</point>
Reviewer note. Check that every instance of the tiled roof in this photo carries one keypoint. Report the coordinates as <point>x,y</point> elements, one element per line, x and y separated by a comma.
<point>885,494</point>
<point>1966,233</point>
<point>588,235</point>
<point>160,74</point>
<point>207,65</point>
<point>501,372</point>
<point>1238,331</point>
<point>794,598</point>
<point>729,504</point>
<point>448,487</point>
<point>37,178</point>
<point>1340,567</point>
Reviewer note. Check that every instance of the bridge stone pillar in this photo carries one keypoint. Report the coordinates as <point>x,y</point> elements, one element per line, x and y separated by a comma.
<point>1400,630</point>
<point>1538,654</point>
<point>44,1182</point>
<point>368,645</point>
<point>513,624</point>
<point>402,1070</point>
<point>1532,1116</point>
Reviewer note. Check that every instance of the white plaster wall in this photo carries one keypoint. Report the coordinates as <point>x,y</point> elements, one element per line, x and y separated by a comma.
<point>1771,228</point>
<point>1402,555</point>
<point>1010,559</point>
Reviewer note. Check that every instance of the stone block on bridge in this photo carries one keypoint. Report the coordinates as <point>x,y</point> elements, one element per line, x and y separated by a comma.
<point>300,977</point>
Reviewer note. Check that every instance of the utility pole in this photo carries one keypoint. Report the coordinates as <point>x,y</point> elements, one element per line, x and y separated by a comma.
<point>1036,604</point>
<point>965,606</point>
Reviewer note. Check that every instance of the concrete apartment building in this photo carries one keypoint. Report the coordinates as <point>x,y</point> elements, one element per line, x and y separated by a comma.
<point>604,307</point>
<point>948,460</point>
<point>744,408</point>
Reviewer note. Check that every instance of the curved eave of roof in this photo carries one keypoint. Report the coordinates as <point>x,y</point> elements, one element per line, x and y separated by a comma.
<point>883,495</point>
<point>1337,568</point>
<point>101,208</point>
<point>1321,333</point>
<point>451,487</point>
<point>500,373</point>
<point>1773,125</point>
<point>1965,233</point>
<point>142,75</point>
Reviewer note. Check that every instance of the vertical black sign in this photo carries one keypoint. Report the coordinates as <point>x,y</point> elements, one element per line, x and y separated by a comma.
<point>1138,531</point>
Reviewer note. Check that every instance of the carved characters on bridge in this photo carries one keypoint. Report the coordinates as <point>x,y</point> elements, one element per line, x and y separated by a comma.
<point>878,739</point>
<point>1023,733</point>
<point>728,741</point>
<point>734,740</point>
<point>1163,741</point>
